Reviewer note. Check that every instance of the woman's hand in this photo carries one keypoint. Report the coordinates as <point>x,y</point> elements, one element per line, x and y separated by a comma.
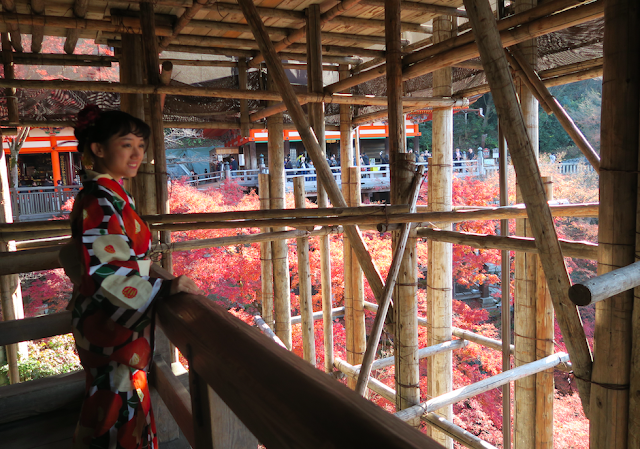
<point>183,284</point>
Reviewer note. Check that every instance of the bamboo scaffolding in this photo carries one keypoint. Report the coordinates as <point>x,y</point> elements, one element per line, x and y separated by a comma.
<point>531,24</point>
<point>266,262</point>
<point>336,312</point>
<point>384,217</point>
<point>310,141</point>
<point>101,86</point>
<point>304,281</point>
<point>265,329</point>
<point>394,269</point>
<point>389,394</point>
<point>357,279</point>
<point>482,386</point>
<point>544,346</point>
<point>497,71</point>
<point>579,250</point>
<point>279,248</point>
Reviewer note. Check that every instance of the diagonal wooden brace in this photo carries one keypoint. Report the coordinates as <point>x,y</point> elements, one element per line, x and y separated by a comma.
<point>497,71</point>
<point>310,142</point>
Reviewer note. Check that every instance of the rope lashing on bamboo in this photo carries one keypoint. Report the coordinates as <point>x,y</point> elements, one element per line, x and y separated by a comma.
<point>550,340</point>
<point>618,387</point>
<point>410,284</point>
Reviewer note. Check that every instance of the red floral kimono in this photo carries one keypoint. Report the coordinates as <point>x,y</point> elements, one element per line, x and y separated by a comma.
<point>112,321</point>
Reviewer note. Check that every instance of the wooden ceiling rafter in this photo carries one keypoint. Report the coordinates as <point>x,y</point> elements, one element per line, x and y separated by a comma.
<point>37,32</point>
<point>79,10</point>
<point>14,29</point>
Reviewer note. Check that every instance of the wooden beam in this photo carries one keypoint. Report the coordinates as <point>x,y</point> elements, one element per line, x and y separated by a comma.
<point>182,22</point>
<point>304,281</point>
<point>245,129</point>
<point>310,142</point>
<point>37,32</point>
<point>565,120</point>
<point>463,48</point>
<point>426,8</point>
<point>266,260</point>
<point>499,77</point>
<point>580,250</point>
<point>606,285</point>
<point>301,32</point>
<point>79,11</point>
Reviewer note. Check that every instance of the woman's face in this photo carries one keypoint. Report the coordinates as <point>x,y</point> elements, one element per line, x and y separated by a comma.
<point>120,157</point>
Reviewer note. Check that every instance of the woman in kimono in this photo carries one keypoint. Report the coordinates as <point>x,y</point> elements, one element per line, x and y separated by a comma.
<point>114,295</point>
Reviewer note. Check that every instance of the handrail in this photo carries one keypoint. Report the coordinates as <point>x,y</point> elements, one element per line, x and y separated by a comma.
<point>283,400</point>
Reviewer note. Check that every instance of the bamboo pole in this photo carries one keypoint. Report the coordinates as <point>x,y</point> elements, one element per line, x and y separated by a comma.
<point>279,248</point>
<point>268,95</point>
<point>396,214</point>
<point>532,24</point>
<point>317,119</point>
<point>310,141</point>
<point>579,250</point>
<point>544,347</point>
<point>505,292</point>
<point>524,162</point>
<point>482,386</point>
<point>346,161</point>
<point>357,281</point>
<point>440,262</point>
<point>165,79</point>
<point>378,323</point>
<point>526,268</point>
<point>567,123</point>
<point>614,402</point>
<point>304,280</point>
<point>266,263</point>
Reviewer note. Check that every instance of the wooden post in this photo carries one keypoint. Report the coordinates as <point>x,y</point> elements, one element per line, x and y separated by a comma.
<point>245,131</point>
<point>544,347</point>
<point>505,282</point>
<point>526,275</point>
<point>132,72</point>
<point>316,116</point>
<point>165,79</point>
<point>614,394</point>
<point>10,292</point>
<point>9,6</point>
<point>398,256</point>
<point>9,73</point>
<point>346,161</point>
<point>304,280</point>
<point>266,263</point>
<point>523,157</point>
<point>357,281</point>
<point>279,248</point>
<point>310,141</point>
<point>440,262</point>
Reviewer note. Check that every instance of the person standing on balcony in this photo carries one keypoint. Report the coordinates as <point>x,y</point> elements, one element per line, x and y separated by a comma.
<point>114,292</point>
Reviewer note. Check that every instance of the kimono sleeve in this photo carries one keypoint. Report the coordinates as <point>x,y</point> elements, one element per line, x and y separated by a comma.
<point>115,275</point>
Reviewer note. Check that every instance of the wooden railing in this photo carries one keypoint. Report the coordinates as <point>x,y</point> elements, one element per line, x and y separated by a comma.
<point>244,387</point>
